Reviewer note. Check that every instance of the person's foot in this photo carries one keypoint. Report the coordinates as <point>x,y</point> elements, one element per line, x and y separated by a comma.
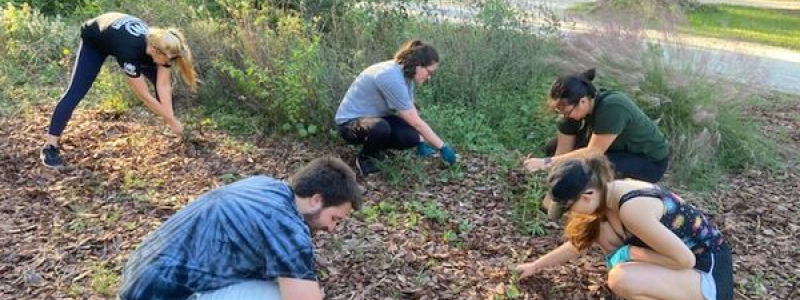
<point>367,165</point>
<point>51,158</point>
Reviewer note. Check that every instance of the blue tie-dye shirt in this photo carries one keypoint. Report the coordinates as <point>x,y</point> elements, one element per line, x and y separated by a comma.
<point>250,229</point>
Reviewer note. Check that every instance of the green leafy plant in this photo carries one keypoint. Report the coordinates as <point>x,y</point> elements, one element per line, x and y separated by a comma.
<point>527,208</point>
<point>104,280</point>
<point>432,211</point>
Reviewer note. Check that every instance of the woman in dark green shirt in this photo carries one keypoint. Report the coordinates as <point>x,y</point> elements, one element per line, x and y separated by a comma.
<point>604,122</point>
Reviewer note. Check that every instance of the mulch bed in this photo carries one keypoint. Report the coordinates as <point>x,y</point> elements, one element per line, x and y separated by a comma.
<point>64,233</point>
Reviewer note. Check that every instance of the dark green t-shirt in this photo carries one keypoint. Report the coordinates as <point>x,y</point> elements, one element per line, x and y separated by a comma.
<point>615,113</point>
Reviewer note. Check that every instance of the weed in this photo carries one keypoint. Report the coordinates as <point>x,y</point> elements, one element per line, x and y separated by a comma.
<point>82,219</point>
<point>104,280</point>
<point>146,196</point>
<point>754,285</point>
<point>403,170</point>
<point>369,214</point>
<point>412,219</point>
<point>75,291</point>
<point>112,215</point>
<point>433,212</point>
<point>386,207</point>
<point>392,172</point>
<point>131,181</point>
<point>372,213</point>
<point>450,237</point>
<point>464,227</point>
<point>392,219</point>
<point>527,211</point>
<point>131,226</point>
<point>227,178</point>
<point>244,147</point>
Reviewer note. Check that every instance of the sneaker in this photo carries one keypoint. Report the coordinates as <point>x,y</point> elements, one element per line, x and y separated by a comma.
<point>367,165</point>
<point>50,157</point>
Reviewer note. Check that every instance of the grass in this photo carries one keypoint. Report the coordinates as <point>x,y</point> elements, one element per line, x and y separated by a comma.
<point>104,280</point>
<point>774,27</point>
<point>759,25</point>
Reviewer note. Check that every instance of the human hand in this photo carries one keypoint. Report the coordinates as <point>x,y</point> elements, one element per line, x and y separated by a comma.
<point>534,164</point>
<point>424,150</point>
<point>526,270</point>
<point>448,154</point>
<point>621,255</point>
<point>175,126</point>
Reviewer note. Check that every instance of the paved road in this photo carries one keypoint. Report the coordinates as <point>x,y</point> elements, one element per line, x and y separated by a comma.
<point>763,66</point>
<point>776,68</point>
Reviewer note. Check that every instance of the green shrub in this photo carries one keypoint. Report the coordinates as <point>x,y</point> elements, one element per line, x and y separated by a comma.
<point>273,66</point>
<point>43,45</point>
<point>493,78</point>
<point>50,7</point>
<point>31,39</point>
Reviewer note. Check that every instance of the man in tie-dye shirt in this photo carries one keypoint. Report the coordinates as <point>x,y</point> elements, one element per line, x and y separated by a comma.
<point>247,240</point>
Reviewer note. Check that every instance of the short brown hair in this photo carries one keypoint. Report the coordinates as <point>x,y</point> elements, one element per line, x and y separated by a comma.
<point>413,54</point>
<point>330,177</point>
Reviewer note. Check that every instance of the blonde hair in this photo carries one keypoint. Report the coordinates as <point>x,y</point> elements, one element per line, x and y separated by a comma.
<point>582,230</point>
<point>171,42</point>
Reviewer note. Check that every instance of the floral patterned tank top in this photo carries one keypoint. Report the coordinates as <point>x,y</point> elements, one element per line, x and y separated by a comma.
<point>685,221</point>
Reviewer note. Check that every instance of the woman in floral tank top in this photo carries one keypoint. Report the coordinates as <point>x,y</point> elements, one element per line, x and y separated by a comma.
<point>657,245</point>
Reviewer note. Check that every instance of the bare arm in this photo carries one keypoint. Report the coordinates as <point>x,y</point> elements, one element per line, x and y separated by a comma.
<point>565,143</point>
<point>411,116</point>
<point>558,256</point>
<point>139,87</point>
<point>299,289</point>
<point>164,90</point>
<point>598,144</point>
<point>641,217</point>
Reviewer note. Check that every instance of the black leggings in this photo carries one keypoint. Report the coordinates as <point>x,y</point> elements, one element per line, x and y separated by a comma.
<point>87,66</point>
<point>626,165</point>
<point>378,134</point>
<point>723,273</point>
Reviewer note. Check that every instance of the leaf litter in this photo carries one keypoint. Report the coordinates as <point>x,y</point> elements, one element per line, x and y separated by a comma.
<point>433,233</point>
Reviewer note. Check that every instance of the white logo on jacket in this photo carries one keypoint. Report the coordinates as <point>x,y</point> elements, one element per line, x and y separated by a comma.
<point>134,26</point>
<point>130,69</point>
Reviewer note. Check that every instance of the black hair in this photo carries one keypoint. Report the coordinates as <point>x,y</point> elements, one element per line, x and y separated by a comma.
<point>570,89</point>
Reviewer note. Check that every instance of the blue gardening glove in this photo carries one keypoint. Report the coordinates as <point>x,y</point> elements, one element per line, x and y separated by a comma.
<point>448,154</point>
<point>621,255</point>
<point>423,150</point>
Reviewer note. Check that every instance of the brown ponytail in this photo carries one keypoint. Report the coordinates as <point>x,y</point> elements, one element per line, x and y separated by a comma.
<point>415,53</point>
<point>583,230</point>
